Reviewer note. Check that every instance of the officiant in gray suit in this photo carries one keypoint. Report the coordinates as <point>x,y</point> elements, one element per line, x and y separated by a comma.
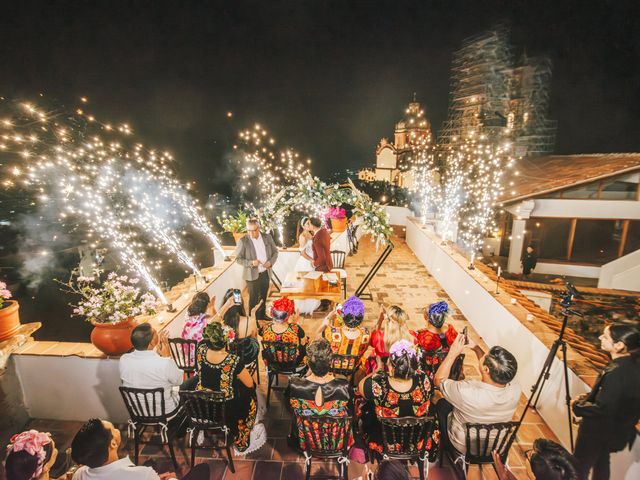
<point>257,252</point>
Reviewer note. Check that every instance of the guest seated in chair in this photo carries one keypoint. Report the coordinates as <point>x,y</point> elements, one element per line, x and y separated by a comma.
<point>391,327</point>
<point>223,372</point>
<point>150,366</point>
<point>244,327</point>
<point>403,392</point>
<point>319,393</point>
<point>349,338</point>
<point>30,455</point>
<point>284,327</point>
<point>435,340</point>
<point>95,447</point>
<point>491,400</point>
<point>200,312</point>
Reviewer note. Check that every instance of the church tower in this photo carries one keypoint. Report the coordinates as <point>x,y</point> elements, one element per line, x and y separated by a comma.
<point>414,128</point>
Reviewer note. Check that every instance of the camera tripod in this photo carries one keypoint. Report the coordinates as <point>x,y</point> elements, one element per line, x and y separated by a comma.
<point>559,343</point>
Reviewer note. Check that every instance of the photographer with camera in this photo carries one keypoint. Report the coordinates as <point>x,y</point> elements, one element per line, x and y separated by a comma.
<point>490,400</point>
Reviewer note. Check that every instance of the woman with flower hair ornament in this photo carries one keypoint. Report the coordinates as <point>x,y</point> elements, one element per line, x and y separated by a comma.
<point>391,327</point>
<point>221,371</point>
<point>347,337</point>
<point>284,327</point>
<point>402,392</point>
<point>435,340</point>
<point>30,455</point>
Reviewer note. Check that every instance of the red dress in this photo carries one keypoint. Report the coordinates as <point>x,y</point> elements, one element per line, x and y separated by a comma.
<point>435,346</point>
<point>377,342</point>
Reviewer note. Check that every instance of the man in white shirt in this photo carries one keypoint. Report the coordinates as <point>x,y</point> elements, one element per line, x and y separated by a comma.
<point>491,400</point>
<point>257,252</point>
<point>150,365</point>
<point>95,447</point>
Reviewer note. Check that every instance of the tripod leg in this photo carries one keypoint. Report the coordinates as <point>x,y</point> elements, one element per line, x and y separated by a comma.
<point>567,392</point>
<point>544,375</point>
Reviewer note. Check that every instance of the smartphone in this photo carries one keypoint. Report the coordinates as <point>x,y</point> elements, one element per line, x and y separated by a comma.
<point>237,296</point>
<point>464,333</point>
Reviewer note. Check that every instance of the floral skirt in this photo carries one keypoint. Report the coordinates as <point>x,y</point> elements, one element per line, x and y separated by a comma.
<point>241,415</point>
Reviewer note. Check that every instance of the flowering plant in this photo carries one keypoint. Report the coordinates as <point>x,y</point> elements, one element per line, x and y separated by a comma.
<point>336,212</point>
<point>5,294</point>
<point>114,300</point>
<point>234,223</point>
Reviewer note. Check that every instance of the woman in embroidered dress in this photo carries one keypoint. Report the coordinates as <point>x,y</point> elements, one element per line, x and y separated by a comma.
<point>221,371</point>
<point>245,344</point>
<point>200,312</point>
<point>284,327</point>
<point>305,262</point>
<point>30,455</point>
<point>403,392</point>
<point>391,327</point>
<point>347,336</point>
<point>319,393</point>
<point>436,339</point>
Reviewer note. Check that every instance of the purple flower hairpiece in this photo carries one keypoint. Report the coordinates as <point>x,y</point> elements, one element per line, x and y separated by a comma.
<point>402,347</point>
<point>438,307</point>
<point>353,306</point>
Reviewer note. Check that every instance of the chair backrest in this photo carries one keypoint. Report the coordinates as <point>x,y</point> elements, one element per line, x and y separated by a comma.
<point>281,356</point>
<point>145,405</point>
<point>205,409</point>
<point>484,438</point>
<point>337,257</point>
<point>184,353</point>
<point>324,435</point>
<point>406,437</point>
<point>345,364</point>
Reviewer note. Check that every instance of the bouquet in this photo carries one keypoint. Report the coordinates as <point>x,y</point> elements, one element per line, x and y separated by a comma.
<point>336,212</point>
<point>234,223</point>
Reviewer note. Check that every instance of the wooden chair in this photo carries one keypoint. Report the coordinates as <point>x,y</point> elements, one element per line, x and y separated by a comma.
<point>325,437</point>
<point>345,365</point>
<point>406,439</point>
<point>184,354</point>
<point>481,439</point>
<point>206,413</point>
<point>338,257</point>
<point>281,358</point>
<point>147,411</point>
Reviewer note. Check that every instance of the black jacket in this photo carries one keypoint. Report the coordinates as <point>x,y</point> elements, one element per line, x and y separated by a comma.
<point>614,402</point>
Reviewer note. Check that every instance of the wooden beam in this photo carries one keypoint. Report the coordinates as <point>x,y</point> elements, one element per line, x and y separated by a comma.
<point>623,237</point>
<point>572,235</point>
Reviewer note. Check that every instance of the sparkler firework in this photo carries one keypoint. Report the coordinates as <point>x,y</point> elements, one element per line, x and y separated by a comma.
<point>102,183</point>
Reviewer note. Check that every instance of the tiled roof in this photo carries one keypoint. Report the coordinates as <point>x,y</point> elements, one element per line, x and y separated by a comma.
<point>541,175</point>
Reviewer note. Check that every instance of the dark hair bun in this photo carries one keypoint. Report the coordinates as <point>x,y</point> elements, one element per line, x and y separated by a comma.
<point>199,304</point>
<point>215,336</point>
<point>404,365</point>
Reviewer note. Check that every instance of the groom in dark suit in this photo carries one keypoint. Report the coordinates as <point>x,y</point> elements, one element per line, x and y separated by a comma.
<point>321,246</point>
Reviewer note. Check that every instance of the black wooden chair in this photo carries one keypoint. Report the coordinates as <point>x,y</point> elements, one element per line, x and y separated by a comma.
<point>325,438</point>
<point>281,358</point>
<point>338,258</point>
<point>184,354</point>
<point>147,412</point>
<point>205,412</point>
<point>406,439</point>
<point>345,365</point>
<point>481,439</point>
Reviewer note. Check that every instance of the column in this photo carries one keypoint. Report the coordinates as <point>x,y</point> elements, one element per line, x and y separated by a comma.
<point>521,213</point>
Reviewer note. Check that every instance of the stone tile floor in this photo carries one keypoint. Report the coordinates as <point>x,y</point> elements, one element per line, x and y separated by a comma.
<point>402,280</point>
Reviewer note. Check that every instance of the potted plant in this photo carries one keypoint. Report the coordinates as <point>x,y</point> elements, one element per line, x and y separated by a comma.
<point>235,224</point>
<point>111,306</point>
<point>9,315</point>
<point>338,217</point>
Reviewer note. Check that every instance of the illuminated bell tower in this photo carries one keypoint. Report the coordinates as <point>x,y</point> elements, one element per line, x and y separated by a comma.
<point>413,129</point>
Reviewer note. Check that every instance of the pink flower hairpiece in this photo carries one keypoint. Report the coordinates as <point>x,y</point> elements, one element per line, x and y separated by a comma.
<point>402,347</point>
<point>33,443</point>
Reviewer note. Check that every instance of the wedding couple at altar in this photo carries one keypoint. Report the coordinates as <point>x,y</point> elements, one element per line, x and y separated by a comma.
<point>314,243</point>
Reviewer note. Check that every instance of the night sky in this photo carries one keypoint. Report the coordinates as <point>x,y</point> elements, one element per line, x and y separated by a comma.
<point>326,77</point>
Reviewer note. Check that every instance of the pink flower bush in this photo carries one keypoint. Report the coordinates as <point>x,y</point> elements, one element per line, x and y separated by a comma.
<point>336,212</point>
<point>114,300</point>
<point>4,294</point>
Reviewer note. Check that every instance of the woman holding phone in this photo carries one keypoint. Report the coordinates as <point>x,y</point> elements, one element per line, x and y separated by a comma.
<point>245,331</point>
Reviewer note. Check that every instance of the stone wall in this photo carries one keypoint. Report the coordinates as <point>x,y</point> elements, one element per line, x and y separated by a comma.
<point>13,414</point>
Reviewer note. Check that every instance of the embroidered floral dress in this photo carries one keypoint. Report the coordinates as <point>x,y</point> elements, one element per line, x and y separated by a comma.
<point>382,400</point>
<point>294,334</point>
<point>192,330</point>
<point>336,400</point>
<point>241,406</point>
<point>341,345</point>
<point>435,347</point>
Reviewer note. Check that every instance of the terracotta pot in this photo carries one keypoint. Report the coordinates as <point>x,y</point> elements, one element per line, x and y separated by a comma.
<point>338,224</point>
<point>113,338</point>
<point>9,319</point>
<point>238,235</point>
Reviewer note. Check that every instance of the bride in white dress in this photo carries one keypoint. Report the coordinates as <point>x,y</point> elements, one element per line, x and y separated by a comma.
<point>305,263</point>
